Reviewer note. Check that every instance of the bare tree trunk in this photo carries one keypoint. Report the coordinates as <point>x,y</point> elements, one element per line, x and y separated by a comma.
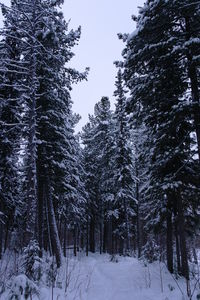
<point>178,258</point>
<point>6,235</point>
<point>105,236</point>
<point>169,236</point>
<point>101,228</point>
<point>101,236</point>
<point>75,240</point>
<point>138,222</point>
<point>194,255</point>
<point>110,236</point>
<point>53,226</point>
<point>87,236</point>
<point>40,209</point>
<point>121,246</point>
<point>92,235</point>
<point>183,247</point>
<point>1,238</point>
<point>127,225</point>
<point>64,238</point>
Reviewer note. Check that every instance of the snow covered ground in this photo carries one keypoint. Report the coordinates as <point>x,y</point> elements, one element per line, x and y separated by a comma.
<point>97,278</point>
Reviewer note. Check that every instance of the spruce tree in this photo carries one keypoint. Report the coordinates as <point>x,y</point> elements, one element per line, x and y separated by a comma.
<point>99,147</point>
<point>154,72</point>
<point>124,199</point>
<point>11,73</point>
<point>44,86</point>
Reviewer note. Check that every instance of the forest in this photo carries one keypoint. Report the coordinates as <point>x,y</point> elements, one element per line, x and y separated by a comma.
<point>128,184</point>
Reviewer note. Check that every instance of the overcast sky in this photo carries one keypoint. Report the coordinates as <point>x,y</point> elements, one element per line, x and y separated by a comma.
<point>99,46</point>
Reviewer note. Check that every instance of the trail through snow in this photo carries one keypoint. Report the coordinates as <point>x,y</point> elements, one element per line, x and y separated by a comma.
<point>97,278</point>
<point>127,279</point>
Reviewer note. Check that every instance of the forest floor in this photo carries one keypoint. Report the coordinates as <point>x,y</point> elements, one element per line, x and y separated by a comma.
<point>97,278</point>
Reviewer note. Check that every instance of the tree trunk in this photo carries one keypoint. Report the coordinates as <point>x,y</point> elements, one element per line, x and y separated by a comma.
<point>87,236</point>
<point>105,236</point>
<point>101,236</point>
<point>53,226</point>
<point>92,235</point>
<point>1,238</point>
<point>183,248</point>
<point>169,236</point>
<point>40,208</point>
<point>127,225</point>
<point>65,238</point>
<point>121,246</point>
<point>138,226</point>
<point>178,258</point>
<point>6,235</point>
<point>75,241</point>
<point>110,237</point>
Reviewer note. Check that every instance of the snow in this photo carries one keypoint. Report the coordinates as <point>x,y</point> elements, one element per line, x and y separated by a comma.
<point>133,34</point>
<point>97,278</point>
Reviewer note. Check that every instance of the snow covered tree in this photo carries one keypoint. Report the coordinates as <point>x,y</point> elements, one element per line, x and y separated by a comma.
<point>11,73</point>
<point>72,206</point>
<point>155,74</point>
<point>91,182</point>
<point>55,133</point>
<point>104,144</point>
<point>124,181</point>
<point>99,147</point>
<point>44,50</point>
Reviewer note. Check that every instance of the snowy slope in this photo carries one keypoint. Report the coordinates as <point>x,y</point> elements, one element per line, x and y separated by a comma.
<point>97,278</point>
<point>127,279</point>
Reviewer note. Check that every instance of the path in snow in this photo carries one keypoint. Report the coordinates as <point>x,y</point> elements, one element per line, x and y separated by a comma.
<point>97,278</point>
<point>128,279</point>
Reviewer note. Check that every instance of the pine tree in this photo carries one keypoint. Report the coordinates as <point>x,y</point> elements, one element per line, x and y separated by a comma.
<point>91,183</point>
<point>44,49</point>
<point>155,75</point>
<point>11,73</point>
<point>123,169</point>
<point>54,109</point>
<point>99,147</point>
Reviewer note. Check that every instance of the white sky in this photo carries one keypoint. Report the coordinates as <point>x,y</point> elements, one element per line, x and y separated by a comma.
<point>99,46</point>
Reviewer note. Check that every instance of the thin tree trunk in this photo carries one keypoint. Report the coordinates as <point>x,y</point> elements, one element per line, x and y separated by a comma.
<point>178,258</point>
<point>40,213</point>
<point>194,255</point>
<point>78,239</point>
<point>101,228</point>
<point>105,236</point>
<point>121,246</point>
<point>1,238</point>
<point>138,214</point>
<point>110,237</point>
<point>6,235</point>
<point>75,241</point>
<point>169,236</point>
<point>127,225</point>
<point>64,238</point>
<point>101,237</point>
<point>183,247</point>
<point>82,240</point>
<point>92,235</point>
<point>87,236</point>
